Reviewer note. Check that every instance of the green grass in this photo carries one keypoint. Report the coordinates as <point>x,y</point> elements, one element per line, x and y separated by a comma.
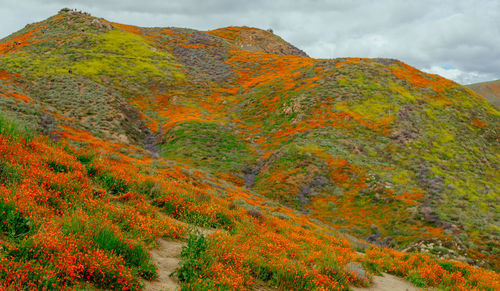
<point>207,145</point>
<point>113,185</point>
<point>134,256</point>
<point>57,167</point>
<point>12,223</point>
<point>194,259</point>
<point>13,128</point>
<point>8,174</point>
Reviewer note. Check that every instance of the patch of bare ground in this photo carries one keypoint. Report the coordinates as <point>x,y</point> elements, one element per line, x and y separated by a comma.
<point>388,283</point>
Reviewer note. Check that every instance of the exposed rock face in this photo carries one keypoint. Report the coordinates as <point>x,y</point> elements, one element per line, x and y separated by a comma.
<point>249,175</point>
<point>104,24</point>
<point>406,131</point>
<point>357,270</point>
<point>257,40</point>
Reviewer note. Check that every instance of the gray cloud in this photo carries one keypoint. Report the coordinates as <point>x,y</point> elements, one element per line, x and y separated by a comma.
<point>457,39</point>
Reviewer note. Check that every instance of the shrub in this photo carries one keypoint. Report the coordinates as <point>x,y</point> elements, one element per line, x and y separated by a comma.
<point>224,221</point>
<point>85,159</point>
<point>114,185</point>
<point>255,214</point>
<point>264,273</point>
<point>57,167</point>
<point>195,259</point>
<point>196,218</point>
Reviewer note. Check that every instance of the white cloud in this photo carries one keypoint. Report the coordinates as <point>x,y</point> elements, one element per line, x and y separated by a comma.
<point>458,75</point>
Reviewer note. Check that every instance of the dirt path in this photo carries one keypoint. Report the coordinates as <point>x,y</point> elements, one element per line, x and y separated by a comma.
<point>167,256</point>
<point>388,283</point>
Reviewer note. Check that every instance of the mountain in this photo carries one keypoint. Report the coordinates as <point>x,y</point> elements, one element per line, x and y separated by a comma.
<point>316,173</point>
<point>489,90</point>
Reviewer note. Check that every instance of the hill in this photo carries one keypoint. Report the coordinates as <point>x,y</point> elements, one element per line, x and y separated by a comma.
<point>489,90</point>
<point>312,171</point>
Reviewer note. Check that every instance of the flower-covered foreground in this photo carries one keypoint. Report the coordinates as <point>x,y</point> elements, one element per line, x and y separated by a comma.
<point>71,219</point>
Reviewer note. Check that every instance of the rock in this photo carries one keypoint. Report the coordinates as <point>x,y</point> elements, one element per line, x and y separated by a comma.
<point>377,239</point>
<point>357,270</point>
<point>430,215</point>
<point>98,24</point>
<point>249,175</point>
<point>358,244</point>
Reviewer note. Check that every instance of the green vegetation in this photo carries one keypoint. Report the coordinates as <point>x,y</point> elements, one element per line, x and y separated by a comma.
<point>12,223</point>
<point>118,53</point>
<point>14,128</point>
<point>111,183</point>
<point>194,260</point>
<point>9,175</point>
<point>207,145</point>
<point>57,167</point>
<point>135,255</point>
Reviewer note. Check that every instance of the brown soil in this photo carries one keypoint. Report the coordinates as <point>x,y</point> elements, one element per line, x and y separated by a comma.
<point>388,283</point>
<point>167,258</point>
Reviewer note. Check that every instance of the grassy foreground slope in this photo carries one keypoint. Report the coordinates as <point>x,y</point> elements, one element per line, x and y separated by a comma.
<point>283,151</point>
<point>79,219</point>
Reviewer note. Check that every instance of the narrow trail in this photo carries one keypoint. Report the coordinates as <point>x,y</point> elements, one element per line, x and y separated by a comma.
<point>167,256</point>
<point>388,283</point>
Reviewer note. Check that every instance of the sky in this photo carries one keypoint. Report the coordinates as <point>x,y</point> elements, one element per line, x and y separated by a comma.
<point>457,39</point>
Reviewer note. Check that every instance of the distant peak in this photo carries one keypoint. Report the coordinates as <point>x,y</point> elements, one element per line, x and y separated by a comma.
<point>257,40</point>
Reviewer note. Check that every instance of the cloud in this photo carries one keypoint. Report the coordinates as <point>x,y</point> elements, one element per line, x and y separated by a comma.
<point>458,75</point>
<point>463,34</point>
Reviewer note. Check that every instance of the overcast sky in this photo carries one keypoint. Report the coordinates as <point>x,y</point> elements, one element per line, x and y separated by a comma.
<point>458,39</point>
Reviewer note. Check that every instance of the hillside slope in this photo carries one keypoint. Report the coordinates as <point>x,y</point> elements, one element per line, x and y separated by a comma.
<point>304,161</point>
<point>489,90</point>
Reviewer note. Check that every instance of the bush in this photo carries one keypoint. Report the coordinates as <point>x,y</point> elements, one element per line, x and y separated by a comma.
<point>114,185</point>
<point>224,221</point>
<point>57,167</point>
<point>255,214</point>
<point>85,159</point>
<point>195,259</point>
<point>264,273</point>
<point>196,218</point>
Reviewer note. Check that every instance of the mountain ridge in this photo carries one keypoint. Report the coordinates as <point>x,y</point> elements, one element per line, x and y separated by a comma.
<point>489,90</point>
